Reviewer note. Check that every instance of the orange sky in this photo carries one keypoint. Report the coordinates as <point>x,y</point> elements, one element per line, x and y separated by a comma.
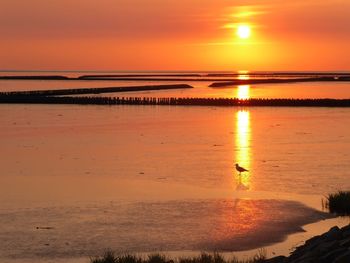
<point>174,35</point>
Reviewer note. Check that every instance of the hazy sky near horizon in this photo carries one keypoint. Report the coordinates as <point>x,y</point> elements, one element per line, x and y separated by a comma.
<point>174,35</point>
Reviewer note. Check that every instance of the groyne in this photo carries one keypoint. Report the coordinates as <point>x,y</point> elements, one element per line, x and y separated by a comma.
<point>229,102</point>
<point>81,91</point>
<point>277,81</point>
<point>44,77</point>
<point>88,77</point>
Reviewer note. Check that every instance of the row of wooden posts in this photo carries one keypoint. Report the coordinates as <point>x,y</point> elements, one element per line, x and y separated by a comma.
<point>173,101</point>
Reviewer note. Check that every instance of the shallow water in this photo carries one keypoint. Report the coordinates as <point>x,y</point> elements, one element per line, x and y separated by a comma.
<point>150,178</point>
<point>317,90</point>
<point>336,90</point>
<point>144,178</point>
<point>283,147</point>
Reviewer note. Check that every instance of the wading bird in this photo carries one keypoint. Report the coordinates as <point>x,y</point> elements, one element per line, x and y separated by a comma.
<point>240,169</point>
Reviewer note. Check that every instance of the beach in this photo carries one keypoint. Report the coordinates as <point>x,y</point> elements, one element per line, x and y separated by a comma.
<point>79,179</point>
<point>176,131</point>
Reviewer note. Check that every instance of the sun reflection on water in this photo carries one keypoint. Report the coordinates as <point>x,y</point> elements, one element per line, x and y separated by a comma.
<point>243,76</point>
<point>243,156</point>
<point>243,92</point>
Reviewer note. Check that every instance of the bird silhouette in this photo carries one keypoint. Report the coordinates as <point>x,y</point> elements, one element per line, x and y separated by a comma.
<point>240,169</point>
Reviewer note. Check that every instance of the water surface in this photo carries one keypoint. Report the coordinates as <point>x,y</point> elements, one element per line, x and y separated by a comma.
<point>78,179</point>
<point>145,178</point>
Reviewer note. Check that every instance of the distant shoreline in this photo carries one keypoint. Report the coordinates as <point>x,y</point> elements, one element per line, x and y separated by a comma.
<point>218,79</point>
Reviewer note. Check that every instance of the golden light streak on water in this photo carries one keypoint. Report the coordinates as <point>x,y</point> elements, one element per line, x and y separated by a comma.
<point>243,92</point>
<point>243,154</point>
<point>243,76</point>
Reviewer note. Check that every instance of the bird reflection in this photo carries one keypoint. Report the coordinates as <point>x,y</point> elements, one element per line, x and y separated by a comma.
<point>242,157</point>
<point>241,186</point>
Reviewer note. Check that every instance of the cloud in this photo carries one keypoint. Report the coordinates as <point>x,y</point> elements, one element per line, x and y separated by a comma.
<point>106,18</point>
<point>172,19</point>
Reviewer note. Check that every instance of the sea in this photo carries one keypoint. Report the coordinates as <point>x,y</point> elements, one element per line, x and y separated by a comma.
<point>79,179</point>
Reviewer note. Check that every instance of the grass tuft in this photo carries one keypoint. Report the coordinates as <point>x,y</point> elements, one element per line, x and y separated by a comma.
<point>127,258</point>
<point>110,257</point>
<point>338,203</point>
<point>157,258</point>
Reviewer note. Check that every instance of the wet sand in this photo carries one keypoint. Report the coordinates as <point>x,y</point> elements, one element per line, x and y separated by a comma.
<point>88,229</point>
<point>75,172</point>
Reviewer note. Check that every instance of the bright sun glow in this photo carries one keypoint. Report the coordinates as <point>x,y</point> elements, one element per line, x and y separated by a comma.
<point>243,31</point>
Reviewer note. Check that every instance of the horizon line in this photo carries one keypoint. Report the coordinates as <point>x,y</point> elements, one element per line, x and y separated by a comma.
<point>198,71</point>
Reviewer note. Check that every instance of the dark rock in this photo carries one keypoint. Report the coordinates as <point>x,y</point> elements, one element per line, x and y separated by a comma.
<point>294,256</point>
<point>346,233</point>
<point>345,242</point>
<point>312,240</point>
<point>325,247</point>
<point>301,252</point>
<point>345,228</point>
<point>312,243</point>
<point>333,234</point>
<point>330,247</point>
<point>344,258</point>
<point>332,255</point>
<point>306,258</point>
<point>279,259</point>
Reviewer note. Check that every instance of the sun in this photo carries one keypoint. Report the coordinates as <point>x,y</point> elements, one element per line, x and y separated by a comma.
<point>243,31</point>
